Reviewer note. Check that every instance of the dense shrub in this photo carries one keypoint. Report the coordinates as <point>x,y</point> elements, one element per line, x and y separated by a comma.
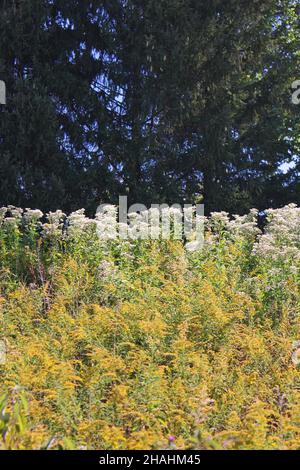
<point>117,344</point>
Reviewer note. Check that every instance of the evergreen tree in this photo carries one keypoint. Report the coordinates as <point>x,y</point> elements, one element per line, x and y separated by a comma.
<point>164,101</point>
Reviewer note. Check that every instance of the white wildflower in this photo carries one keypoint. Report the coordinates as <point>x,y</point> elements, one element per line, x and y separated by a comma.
<point>32,215</point>
<point>78,222</point>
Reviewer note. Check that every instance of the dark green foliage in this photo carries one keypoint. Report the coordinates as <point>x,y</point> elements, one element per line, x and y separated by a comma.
<point>164,101</point>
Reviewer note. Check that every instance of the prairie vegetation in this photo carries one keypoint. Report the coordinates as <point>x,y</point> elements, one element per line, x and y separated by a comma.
<point>143,344</point>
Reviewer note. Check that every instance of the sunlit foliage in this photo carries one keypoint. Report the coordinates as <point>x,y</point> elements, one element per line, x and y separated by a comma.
<point>145,345</point>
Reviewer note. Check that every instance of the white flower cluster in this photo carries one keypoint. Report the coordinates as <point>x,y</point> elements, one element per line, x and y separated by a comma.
<point>78,223</point>
<point>155,223</point>
<point>55,224</point>
<point>244,225</point>
<point>32,215</point>
<point>10,216</point>
<point>281,238</point>
<point>106,222</point>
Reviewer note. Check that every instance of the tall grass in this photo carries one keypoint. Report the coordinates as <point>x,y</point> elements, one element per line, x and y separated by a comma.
<point>142,344</point>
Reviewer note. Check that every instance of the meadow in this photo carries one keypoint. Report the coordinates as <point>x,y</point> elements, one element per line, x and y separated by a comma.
<point>146,344</point>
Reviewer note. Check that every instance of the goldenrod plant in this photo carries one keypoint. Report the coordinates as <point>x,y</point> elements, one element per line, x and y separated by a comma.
<point>147,344</point>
